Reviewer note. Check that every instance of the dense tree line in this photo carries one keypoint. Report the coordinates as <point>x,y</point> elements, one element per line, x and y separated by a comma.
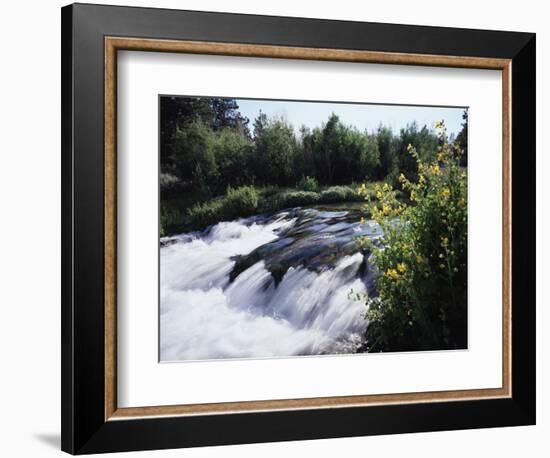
<point>207,145</point>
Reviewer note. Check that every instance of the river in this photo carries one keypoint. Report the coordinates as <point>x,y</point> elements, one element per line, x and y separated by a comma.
<point>266,286</point>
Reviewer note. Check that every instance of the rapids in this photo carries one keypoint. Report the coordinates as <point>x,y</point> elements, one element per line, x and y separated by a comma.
<point>266,286</point>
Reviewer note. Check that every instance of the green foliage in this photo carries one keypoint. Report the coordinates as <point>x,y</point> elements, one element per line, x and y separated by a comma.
<point>241,201</point>
<point>339,194</point>
<point>461,141</point>
<point>170,217</point>
<point>237,203</point>
<point>206,146</point>
<point>275,148</point>
<point>387,148</point>
<point>290,199</point>
<point>308,183</point>
<point>232,154</point>
<point>340,153</point>
<point>425,143</point>
<point>194,154</point>
<point>215,113</point>
<point>248,200</point>
<point>422,301</point>
<point>204,214</point>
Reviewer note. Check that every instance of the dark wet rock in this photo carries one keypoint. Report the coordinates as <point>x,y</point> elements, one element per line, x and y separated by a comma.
<point>317,241</point>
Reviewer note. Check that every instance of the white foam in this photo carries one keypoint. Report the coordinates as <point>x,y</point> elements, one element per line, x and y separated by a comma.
<point>203,316</point>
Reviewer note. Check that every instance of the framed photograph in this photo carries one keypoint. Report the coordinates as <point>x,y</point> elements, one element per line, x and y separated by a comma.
<point>282,228</point>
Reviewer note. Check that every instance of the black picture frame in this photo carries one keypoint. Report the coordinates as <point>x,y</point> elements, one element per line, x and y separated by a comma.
<point>84,428</point>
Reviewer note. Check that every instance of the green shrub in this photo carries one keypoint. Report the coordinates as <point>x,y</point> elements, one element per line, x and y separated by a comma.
<point>237,203</point>
<point>204,214</point>
<point>308,183</point>
<point>241,201</point>
<point>421,261</point>
<point>336,194</point>
<point>269,191</point>
<point>289,199</point>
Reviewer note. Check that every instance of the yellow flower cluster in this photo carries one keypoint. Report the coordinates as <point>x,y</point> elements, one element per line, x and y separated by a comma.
<point>392,274</point>
<point>445,193</point>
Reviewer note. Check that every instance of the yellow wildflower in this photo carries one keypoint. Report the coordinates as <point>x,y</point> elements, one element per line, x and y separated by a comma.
<point>378,195</point>
<point>392,274</point>
<point>445,193</point>
<point>421,179</point>
<point>435,169</point>
<point>402,267</point>
<point>386,187</point>
<point>386,209</point>
<point>409,147</point>
<point>440,157</point>
<point>402,178</point>
<point>413,195</point>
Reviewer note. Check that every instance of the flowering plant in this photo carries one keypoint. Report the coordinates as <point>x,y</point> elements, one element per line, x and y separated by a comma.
<point>421,300</point>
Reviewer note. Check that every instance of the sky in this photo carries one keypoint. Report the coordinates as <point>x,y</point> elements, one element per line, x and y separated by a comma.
<point>361,116</point>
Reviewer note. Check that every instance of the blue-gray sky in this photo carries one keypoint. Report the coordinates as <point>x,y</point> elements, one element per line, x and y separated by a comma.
<point>361,116</point>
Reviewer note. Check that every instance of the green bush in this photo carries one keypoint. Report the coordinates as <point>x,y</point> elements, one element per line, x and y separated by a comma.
<point>308,183</point>
<point>169,217</point>
<point>336,194</point>
<point>241,201</point>
<point>296,199</point>
<point>269,191</point>
<point>237,203</point>
<point>421,261</point>
<point>204,214</point>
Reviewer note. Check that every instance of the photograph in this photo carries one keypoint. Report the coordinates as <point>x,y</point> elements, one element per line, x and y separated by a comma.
<point>303,228</point>
<point>275,226</point>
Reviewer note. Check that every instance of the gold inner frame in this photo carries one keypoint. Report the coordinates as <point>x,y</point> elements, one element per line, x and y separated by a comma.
<point>114,44</point>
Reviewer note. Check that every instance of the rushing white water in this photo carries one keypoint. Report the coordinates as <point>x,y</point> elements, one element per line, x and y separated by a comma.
<point>204,315</point>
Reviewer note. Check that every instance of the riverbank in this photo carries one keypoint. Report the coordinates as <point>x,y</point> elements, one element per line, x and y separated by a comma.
<point>178,216</point>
